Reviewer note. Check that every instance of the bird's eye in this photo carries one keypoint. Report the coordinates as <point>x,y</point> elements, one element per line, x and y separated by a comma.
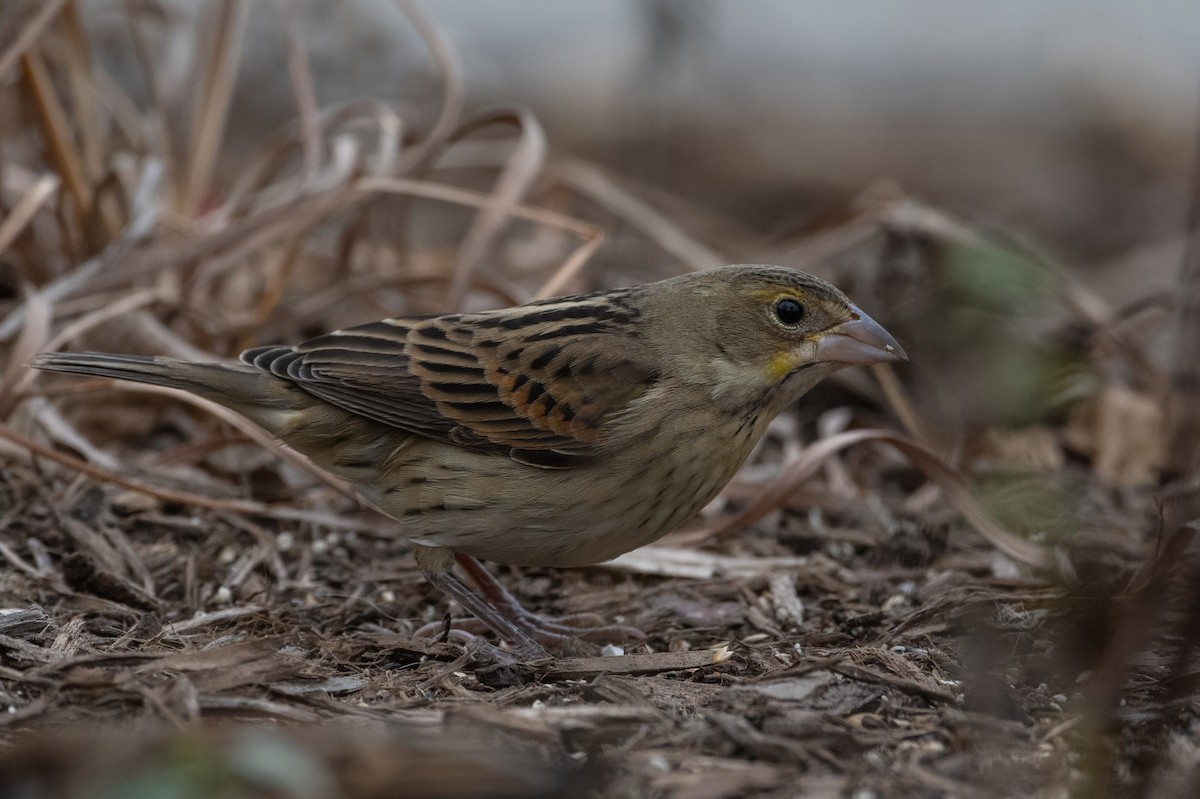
<point>789,312</point>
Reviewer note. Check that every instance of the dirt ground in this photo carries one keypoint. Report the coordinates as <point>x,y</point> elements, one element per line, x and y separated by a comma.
<point>850,644</point>
<point>959,577</point>
<point>888,658</point>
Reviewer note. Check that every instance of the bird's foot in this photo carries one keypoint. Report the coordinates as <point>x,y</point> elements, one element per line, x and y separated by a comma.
<point>495,609</point>
<point>523,646</point>
<point>559,632</point>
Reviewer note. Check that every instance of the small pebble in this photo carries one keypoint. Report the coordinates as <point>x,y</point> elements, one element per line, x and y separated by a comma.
<point>612,651</point>
<point>658,763</point>
<point>134,501</point>
<point>897,605</point>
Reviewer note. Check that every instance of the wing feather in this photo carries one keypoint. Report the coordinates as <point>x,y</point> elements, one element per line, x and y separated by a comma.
<point>501,381</point>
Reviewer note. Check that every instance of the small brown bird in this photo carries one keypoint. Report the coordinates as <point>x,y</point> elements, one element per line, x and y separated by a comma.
<point>563,432</point>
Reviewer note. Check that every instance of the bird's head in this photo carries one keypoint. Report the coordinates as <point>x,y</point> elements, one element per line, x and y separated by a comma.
<point>765,332</point>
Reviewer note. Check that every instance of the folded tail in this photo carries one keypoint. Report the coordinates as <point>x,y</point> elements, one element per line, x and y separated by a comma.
<point>245,389</point>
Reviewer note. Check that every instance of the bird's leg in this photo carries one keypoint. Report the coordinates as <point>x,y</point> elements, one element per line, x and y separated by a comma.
<point>560,631</point>
<point>435,566</point>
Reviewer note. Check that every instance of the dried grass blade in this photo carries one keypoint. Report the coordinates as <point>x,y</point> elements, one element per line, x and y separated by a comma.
<point>634,663</point>
<point>305,93</point>
<point>897,398</point>
<point>211,107</point>
<point>57,130</point>
<point>25,209</point>
<point>520,171</point>
<point>82,94</point>
<point>143,215</point>
<point>252,188</point>
<point>117,308</point>
<point>316,304</point>
<point>451,194</point>
<point>453,89</point>
<point>33,29</point>
<point>34,335</point>
<point>594,183</point>
<point>254,433</point>
<point>277,284</point>
<point>104,475</point>
<point>956,489</point>
<point>165,143</point>
<point>62,431</point>
<point>238,238</point>
<point>557,283</point>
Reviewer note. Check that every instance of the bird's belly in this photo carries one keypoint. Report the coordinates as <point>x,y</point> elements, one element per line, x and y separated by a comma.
<point>499,510</point>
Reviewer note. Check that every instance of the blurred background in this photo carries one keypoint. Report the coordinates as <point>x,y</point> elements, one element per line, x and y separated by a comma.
<point>1072,121</point>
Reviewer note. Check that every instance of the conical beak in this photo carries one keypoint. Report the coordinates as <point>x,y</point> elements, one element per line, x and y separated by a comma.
<point>860,341</point>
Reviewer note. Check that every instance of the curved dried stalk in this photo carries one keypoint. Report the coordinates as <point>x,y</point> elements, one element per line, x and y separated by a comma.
<point>451,194</point>
<point>252,432</point>
<point>453,89</point>
<point>592,182</point>
<point>520,170</point>
<point>811,459</point>
<point>272,154</point>
<point>250,507</point>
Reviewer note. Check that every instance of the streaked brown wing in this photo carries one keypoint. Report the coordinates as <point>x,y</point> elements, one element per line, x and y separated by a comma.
<point>537,382</point>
